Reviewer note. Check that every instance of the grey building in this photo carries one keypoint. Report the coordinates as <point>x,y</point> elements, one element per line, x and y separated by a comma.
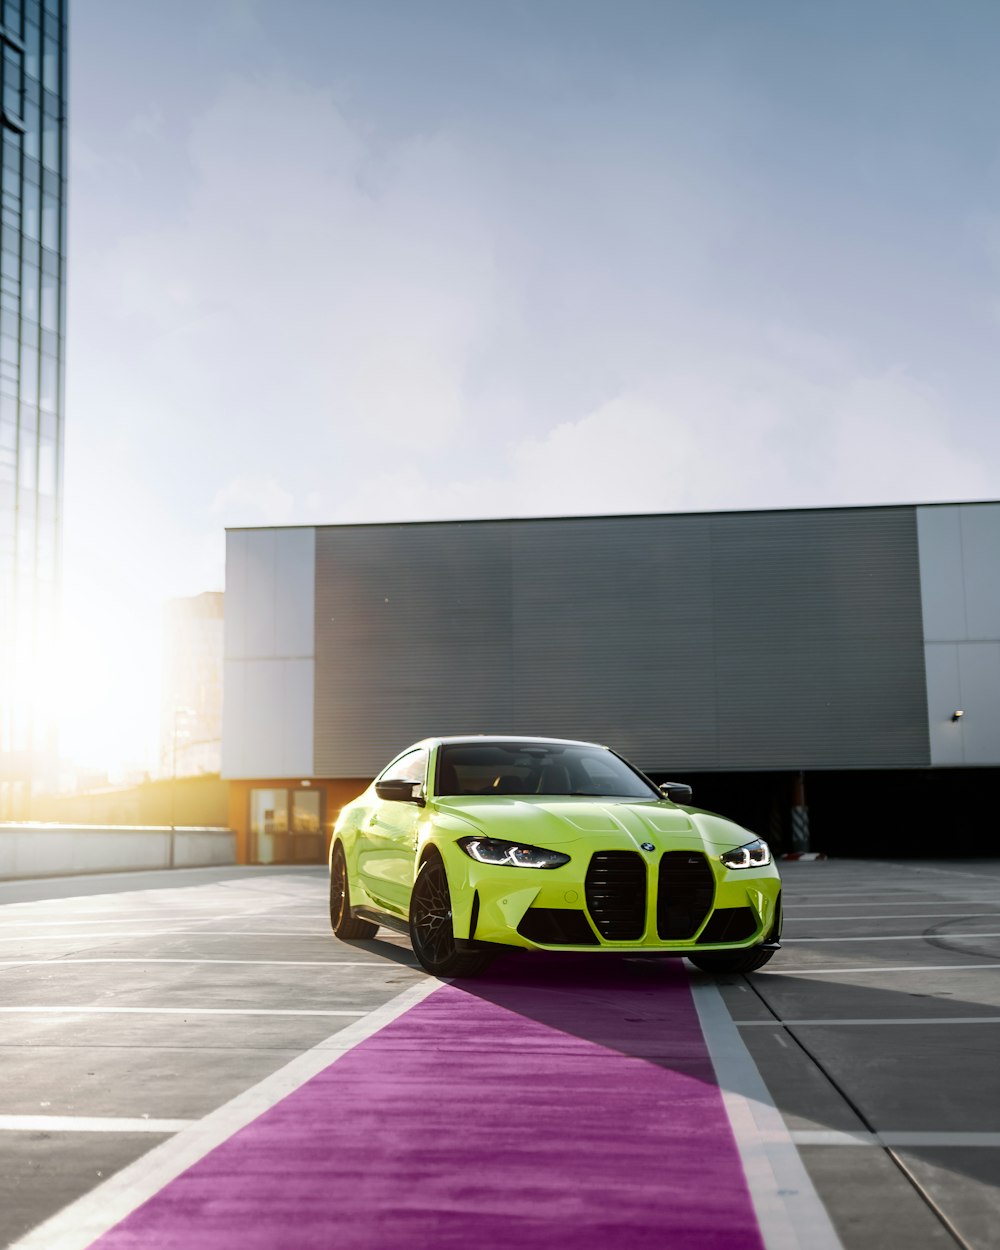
<point>857,648</point>
<point>32,329</point>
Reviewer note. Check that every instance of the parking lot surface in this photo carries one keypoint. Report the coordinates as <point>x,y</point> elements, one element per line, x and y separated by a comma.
<point>190,1059</point>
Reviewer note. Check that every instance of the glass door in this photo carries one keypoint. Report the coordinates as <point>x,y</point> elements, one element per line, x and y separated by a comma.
<point>307,827</point>
<point>269,826</point>
<point>286,827</point>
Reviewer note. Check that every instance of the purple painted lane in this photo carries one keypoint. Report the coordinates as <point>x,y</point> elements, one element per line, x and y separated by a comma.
<point>556,1102</point>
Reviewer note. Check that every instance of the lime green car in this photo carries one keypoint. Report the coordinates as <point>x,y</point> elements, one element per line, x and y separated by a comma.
<point>473,844</point>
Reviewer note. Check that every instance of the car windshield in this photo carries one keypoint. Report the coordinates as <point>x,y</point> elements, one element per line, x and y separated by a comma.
<point>537,768</point>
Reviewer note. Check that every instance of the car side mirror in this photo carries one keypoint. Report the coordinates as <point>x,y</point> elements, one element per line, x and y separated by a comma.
<point>677,792</point>
<point>401,792</point>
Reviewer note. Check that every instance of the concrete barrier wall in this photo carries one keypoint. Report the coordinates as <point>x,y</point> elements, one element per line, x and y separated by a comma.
<point>42,850</point>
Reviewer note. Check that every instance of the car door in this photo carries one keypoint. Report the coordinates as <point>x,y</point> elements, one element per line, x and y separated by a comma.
<point>387,841</point>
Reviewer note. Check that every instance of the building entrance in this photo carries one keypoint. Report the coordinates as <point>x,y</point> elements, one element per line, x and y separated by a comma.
<point>286,826</point>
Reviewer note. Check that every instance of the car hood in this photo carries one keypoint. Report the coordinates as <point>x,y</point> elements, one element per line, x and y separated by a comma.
<point>622,823</point>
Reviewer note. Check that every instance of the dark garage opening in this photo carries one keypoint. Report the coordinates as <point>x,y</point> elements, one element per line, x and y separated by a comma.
<point>905,813</point>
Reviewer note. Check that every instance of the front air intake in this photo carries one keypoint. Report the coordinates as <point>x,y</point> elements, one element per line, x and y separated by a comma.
<point>685,894</point>
<point>556,926</point>
<point>730,924</point>
<point>616,895</point>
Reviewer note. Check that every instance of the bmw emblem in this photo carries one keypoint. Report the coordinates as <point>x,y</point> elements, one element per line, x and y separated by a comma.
<point>647,846</point>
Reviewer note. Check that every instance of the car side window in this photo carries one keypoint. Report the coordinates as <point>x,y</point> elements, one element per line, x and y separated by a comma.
<point>410,767</point>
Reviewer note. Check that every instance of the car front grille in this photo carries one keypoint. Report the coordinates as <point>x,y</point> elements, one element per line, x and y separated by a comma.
<point>616,895</point>
<point>684,895</point>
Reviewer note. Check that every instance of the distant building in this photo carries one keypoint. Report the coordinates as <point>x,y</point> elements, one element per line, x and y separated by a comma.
<point>191,703</point>
<point>841,659</point>
<point>32,324</point>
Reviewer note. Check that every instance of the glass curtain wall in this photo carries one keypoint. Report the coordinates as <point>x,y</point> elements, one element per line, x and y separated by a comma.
<point>32,327</point>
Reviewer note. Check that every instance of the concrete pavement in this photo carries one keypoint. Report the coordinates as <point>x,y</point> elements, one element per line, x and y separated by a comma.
<point>877,1031</point>
<point>135,1010</point>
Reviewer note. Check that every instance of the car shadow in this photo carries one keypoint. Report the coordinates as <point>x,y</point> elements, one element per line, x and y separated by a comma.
<point>643,1009</point>
<point>640,1008</point>
<point>381,946</point>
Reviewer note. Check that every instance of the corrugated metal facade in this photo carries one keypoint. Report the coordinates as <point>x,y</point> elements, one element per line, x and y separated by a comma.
<point>776,640</point>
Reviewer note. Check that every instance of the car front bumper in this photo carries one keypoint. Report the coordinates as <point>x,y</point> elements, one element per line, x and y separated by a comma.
<point>669,902</point>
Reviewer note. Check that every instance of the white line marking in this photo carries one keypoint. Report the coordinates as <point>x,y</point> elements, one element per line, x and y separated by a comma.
<point>150,905</point>
<point>895,937</point>
<point>14,884</point>
<point>830,972</point>
<point>750,1024</point>
<point>126,920</point>
<point>82,1222</point>
<point>940,872</point>
<point>129,933</point>
<point>916,915</point>
<point>11,914</point>
<point>324,935</point>
<point>169,1011</point>
<point>88,1124</point>
<point>940,1139</point>
<point>829,1137</point>
<point>944,902</point>
<point>281,963</point>
<point>789,1211</point>
<point>824,894</point>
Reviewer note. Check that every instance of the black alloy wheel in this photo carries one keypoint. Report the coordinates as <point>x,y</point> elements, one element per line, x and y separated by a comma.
<point>732,961</point>
<point>344,925</point>
<point>431,931</point>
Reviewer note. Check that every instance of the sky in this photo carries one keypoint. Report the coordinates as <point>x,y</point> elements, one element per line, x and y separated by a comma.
<point>337,261</point>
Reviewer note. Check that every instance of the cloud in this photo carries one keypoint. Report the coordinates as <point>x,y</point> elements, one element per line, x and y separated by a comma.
<point>745,434</point>
<point>335,326</point>
<point>284,315</point>
<point>310,287</point>
<point>254,501</point>
<point>310,308</point>
<point>147,124</point>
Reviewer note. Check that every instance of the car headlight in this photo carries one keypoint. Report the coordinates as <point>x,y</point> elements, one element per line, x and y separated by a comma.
<point>755,854</point>
<point>510,854</point>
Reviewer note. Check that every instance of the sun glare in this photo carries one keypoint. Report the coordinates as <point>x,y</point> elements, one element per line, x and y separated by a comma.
<point>107,692</point>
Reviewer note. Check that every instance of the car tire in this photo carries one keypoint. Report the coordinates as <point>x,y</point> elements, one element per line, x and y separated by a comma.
<point>344,925</point>
<point>431,931</point>
<point>734,961</point>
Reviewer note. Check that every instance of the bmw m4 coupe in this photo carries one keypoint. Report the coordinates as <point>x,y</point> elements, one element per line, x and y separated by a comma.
<point>473,844</point>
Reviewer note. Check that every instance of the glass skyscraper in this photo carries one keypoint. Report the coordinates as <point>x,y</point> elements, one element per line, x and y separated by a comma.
<point>32,333</point>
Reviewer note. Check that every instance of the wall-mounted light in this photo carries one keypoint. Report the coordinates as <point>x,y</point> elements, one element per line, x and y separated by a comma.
<point>957,714</point>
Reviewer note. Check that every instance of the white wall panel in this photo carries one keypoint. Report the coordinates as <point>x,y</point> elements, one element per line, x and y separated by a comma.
<point>981,569</point>
<point>944,695</point>
<point>270,628</point>
<point>966,676</point>
<point>939,537</point>
<point>260,595</point>
<point>233,715</point>
<point>960,592</point>
<point>294,592</point>
<point>298,679</point>
<point>263,722</point>
<point>979,679</point>
<point>268,723</point>
<point>235,614</point>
